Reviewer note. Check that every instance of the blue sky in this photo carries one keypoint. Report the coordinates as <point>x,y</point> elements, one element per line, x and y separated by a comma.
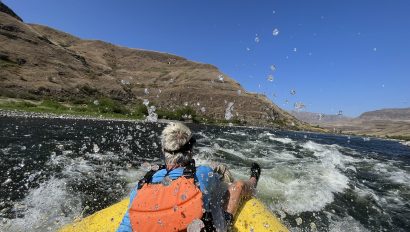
<point>350,55</point>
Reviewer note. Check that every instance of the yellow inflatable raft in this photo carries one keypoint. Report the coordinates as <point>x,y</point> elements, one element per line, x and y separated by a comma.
<point>253,216</point>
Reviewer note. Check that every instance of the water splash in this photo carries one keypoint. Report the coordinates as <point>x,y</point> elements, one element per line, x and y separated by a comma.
<point>228,111</point>
<point>220,78</point>
<point>299,106</point>
<point>152,116</point>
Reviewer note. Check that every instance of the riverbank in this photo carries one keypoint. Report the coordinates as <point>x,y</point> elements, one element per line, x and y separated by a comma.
<point>101,109</point>
<point>105,108</point>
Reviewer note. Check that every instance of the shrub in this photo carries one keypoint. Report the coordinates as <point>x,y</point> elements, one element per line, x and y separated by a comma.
<point>179,114</point>
<point>107,105</point>
<point>140,110</point>
<point>52,104</point>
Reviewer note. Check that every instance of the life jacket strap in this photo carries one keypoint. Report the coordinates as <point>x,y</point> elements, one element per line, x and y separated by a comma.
<point>189,172</point>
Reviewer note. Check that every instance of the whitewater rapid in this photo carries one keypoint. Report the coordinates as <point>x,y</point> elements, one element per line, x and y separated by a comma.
<point>60,170</point>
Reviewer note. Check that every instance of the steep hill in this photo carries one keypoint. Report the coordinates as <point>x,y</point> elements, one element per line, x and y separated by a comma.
<point>38,62</point>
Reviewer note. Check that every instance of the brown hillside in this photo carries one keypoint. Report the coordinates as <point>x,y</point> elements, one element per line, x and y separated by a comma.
<point>37,62</point>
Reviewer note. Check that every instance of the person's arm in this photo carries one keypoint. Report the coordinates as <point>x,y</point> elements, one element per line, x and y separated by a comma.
<point>213,191</point>
<point>125,225</point>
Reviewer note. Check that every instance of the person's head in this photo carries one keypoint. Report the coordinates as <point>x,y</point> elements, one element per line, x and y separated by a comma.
<point>177,143</point>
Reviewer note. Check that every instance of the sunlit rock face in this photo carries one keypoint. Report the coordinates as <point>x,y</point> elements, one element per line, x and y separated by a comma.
<point>38,61</point>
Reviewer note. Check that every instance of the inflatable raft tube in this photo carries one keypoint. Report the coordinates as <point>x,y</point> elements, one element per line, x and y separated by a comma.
<point>252,216</point>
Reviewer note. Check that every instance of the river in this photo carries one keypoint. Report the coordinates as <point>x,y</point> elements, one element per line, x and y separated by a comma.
<point>55,170</point>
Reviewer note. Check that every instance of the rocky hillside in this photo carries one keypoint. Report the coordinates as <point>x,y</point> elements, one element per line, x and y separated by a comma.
<point>393,123</point>
<point>387,114</point>
<point>317,118</point>
<point>38,62</point>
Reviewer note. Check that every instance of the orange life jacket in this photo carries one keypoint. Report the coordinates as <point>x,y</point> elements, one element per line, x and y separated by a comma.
<point>166,207</point>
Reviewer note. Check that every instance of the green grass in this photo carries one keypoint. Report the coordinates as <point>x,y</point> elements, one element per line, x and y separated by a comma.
<point>399,137</point>
<point>106,108</point>
<point>179,114</point>
<point>109,108</point>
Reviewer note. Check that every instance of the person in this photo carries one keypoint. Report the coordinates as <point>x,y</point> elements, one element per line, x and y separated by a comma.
<point>179,196</point>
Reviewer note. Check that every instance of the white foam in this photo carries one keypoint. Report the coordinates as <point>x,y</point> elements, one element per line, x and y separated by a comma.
<point>346,224</point>
<point>319,179</point>
<point>281,140</point>
<point>392,173</point>
<point>45,208</point>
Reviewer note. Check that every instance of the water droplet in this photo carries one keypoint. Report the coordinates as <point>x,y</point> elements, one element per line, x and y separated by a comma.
<point>125,82</point>
<point>195,225</point>
<point>298,221</point>
<point>270,77</point>
<point>6,182</point>
<point>273,68</point>
<point>185,103</point>
<point>145,102</point>
<point>299,106</point>
<point>166,181</point>
<point>374,49</point>
<point>293,92</point>
<point>96,149</point>
<point>203,110</point>
<point>257,40</point>
<point>210,174</point>
<point>221,78</point>
<point>146,91</point>
<point>313,227</point>
<point>152,116</point>
<point>155,167</point>
<point>275,32</point>
<point>228,111</point>
<point>248,49</point>
<point>295,49</point>
<point>183,197</point>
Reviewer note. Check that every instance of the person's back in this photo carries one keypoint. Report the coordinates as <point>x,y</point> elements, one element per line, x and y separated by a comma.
<point>180,196</point>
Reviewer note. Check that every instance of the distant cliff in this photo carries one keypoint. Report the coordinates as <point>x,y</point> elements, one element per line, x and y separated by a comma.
<point>387,114</point>
<point>39,62</point>
<point>385,122</point>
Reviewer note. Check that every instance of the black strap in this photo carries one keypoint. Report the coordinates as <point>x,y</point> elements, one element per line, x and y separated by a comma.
<point>190,169</point>
<point>189,172</point>
<point>208,222</point>
<point>148,177</point>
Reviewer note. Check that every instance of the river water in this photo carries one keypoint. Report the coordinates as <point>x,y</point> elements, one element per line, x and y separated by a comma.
<point>55,170</point>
